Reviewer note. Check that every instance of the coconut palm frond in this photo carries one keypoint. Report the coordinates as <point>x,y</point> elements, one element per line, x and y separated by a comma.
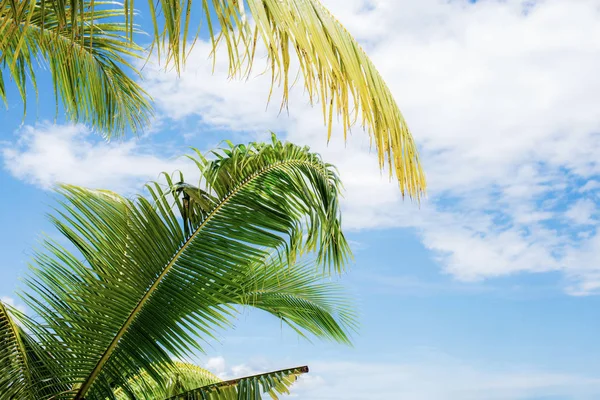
<point>24,365</point>
<point>336,70</point>
<point>183,377</point>
<point>189,382</point>
<point>247,388</point>
<point>15,382</point>
<point>299,296</point>
<point>137,291</point>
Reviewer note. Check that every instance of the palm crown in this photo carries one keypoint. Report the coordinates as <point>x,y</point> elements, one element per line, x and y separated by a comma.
<point>145,281</point>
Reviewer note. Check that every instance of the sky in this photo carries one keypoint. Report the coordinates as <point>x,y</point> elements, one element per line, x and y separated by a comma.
<point>486,290</point>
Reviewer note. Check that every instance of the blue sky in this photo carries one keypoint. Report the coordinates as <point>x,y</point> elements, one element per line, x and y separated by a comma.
<point>489,290</point>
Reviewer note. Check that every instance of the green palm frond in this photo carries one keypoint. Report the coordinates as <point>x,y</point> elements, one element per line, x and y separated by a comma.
<point>184,377</point>
<point>141,291</point>
<point>24,365</point>
<point>248,388</point>
<point>190,382</point>
<point>87,52</point>
<point>300,297</point>
<point>14,371</point>
<point>187,377</point>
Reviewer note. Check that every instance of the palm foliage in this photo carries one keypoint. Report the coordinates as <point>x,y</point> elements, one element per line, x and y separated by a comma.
<point>25,367</point>
<point>184,377</point>
<point>147,280</point>
<point>335,69</point>
<point>12,357</point>
<point>87,54</point>
<point>273,383</point>
<point>190,382</point>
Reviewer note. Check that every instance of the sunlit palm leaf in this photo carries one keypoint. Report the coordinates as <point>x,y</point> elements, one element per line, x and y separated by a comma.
<point>248,388</point>
<point>88,58</point>
<point>335,69</point>
<point>142,292</point>
<point>190,382</point>
<point>184,377</point>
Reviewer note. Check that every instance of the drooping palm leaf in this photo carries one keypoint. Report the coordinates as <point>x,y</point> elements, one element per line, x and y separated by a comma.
<point>141,291</point>
<point>299,296</point>
<point>336,71</point>
<point>247,388</point>
<point>87,53</point>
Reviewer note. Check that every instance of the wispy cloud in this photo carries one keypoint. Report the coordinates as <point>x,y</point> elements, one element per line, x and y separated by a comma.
<point>582,212</point>
<point>45,155</point>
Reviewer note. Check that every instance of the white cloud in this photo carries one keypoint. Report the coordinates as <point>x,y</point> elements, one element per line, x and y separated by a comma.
<point>13,303</point>
<point>219,101</point>
<point>581,212</point>
<point>502,97</point>
<point>216,365</point>
<point>45,155</point>
<point>590,185</point>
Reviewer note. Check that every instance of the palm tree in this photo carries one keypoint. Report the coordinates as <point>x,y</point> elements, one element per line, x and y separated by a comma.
<point>336,71</point>
<point>146,281</point>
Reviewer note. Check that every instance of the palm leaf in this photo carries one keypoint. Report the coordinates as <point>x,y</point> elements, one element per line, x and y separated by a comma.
<point>336,71</point>
<point>299,296</point>
<point>247,388</point>
<point>141,291</point>
<point>14,378</point>
<point>24,372</point>
<point>87,58</point>
<point>183,377</point>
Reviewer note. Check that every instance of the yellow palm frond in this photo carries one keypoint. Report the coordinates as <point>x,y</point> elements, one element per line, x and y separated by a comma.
<point>336,70</point>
